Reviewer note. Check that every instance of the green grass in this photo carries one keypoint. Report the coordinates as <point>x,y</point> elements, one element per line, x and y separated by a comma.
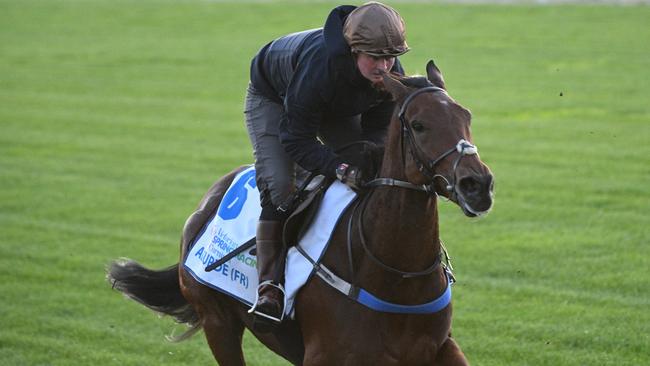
<point>116,116</point>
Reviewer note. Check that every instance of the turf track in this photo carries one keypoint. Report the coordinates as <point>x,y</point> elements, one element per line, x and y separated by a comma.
<point>115,117</point>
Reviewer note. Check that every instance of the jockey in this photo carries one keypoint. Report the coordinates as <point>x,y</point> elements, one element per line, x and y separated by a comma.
<point>309,93</point>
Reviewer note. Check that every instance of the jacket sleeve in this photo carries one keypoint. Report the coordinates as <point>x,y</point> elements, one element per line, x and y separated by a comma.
<point>305,106</point>
<point>375,121</point>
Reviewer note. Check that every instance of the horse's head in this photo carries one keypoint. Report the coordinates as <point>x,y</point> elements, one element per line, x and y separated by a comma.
<point>436,142</point>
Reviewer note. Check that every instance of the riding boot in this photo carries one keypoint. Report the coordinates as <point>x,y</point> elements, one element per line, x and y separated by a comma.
<point>269,307</point>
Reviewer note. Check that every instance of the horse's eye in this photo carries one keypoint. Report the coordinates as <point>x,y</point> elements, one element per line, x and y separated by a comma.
<point>417,126</point>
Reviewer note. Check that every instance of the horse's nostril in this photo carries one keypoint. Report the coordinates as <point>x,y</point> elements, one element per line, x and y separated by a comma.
<point>475,185</point>
<point>469,185</point>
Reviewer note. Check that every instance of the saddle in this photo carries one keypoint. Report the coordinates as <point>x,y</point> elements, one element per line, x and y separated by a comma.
<point>303,208</point>
<point>305,202</point>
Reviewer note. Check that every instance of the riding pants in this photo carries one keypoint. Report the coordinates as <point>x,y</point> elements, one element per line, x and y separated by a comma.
<point>275,170</point>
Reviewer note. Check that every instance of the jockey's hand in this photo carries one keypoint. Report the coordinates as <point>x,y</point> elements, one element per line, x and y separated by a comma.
<point>351,175</point>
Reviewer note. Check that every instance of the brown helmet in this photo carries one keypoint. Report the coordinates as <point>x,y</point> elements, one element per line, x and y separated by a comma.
<point>375,29</point>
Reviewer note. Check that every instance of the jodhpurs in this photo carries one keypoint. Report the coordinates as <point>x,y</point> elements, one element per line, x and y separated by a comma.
<point>276,171</point>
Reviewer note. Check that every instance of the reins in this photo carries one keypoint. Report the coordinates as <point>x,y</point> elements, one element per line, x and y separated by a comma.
<point>361,205</point>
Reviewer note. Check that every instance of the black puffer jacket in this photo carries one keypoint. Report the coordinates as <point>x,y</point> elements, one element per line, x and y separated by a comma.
<point>315,76</point>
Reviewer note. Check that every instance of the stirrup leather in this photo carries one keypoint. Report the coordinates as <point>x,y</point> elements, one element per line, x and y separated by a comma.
<point>257,297</point>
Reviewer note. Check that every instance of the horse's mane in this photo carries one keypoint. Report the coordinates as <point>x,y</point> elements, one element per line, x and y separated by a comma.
<point>415,81</point>
<point>370,156</point>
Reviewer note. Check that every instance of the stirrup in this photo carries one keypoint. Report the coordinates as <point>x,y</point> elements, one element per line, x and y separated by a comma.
<point>257,297</point>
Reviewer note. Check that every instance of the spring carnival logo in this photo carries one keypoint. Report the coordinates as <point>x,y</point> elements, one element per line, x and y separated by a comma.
<point>220,245</point>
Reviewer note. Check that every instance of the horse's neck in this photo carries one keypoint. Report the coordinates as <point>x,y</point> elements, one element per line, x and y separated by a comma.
<point>401,225</point>
<point>411,214</point>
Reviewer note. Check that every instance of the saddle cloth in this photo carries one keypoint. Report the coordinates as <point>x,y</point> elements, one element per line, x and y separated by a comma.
<point>235,222</point>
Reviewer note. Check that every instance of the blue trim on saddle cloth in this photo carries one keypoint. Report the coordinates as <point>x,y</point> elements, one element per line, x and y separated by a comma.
<point>375,303</point>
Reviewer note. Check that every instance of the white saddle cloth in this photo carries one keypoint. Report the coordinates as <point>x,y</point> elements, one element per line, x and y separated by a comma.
<point>235,222</point>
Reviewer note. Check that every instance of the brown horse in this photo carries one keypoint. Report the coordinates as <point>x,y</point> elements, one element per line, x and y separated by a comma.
<point>388,245</point>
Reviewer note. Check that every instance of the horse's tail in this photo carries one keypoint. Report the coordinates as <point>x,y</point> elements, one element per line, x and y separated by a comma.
<point>158,290</point>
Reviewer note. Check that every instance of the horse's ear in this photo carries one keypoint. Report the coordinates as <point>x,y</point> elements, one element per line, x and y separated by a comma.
<point>395,87</point>
<point>434,75</point>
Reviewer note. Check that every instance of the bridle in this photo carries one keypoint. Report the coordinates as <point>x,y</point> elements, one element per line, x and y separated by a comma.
<point>426,167</point>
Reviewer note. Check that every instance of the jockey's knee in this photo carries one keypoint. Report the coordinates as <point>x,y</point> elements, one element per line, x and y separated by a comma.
<point>272,197</point>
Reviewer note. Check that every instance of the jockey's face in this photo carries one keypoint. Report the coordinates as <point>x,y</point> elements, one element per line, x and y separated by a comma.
<point>373,67</point>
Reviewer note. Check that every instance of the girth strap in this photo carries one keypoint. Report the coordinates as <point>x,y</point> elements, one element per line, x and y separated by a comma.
<point>371,301</point>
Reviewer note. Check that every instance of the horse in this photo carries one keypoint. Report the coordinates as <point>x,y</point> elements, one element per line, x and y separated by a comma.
<point>386,244</point>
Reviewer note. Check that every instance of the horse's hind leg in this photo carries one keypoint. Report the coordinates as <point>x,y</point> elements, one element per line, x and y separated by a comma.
<point>450,355</point>
<point>225,339</point>
<point>222,327</point>
<point>219,318</point>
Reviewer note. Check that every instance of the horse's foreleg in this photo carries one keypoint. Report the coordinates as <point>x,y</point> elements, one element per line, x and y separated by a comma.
<point>450,355</point>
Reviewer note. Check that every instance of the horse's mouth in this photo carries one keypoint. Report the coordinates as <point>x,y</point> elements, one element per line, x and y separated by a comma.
<point>469,211</point>
<point>478,200</point>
